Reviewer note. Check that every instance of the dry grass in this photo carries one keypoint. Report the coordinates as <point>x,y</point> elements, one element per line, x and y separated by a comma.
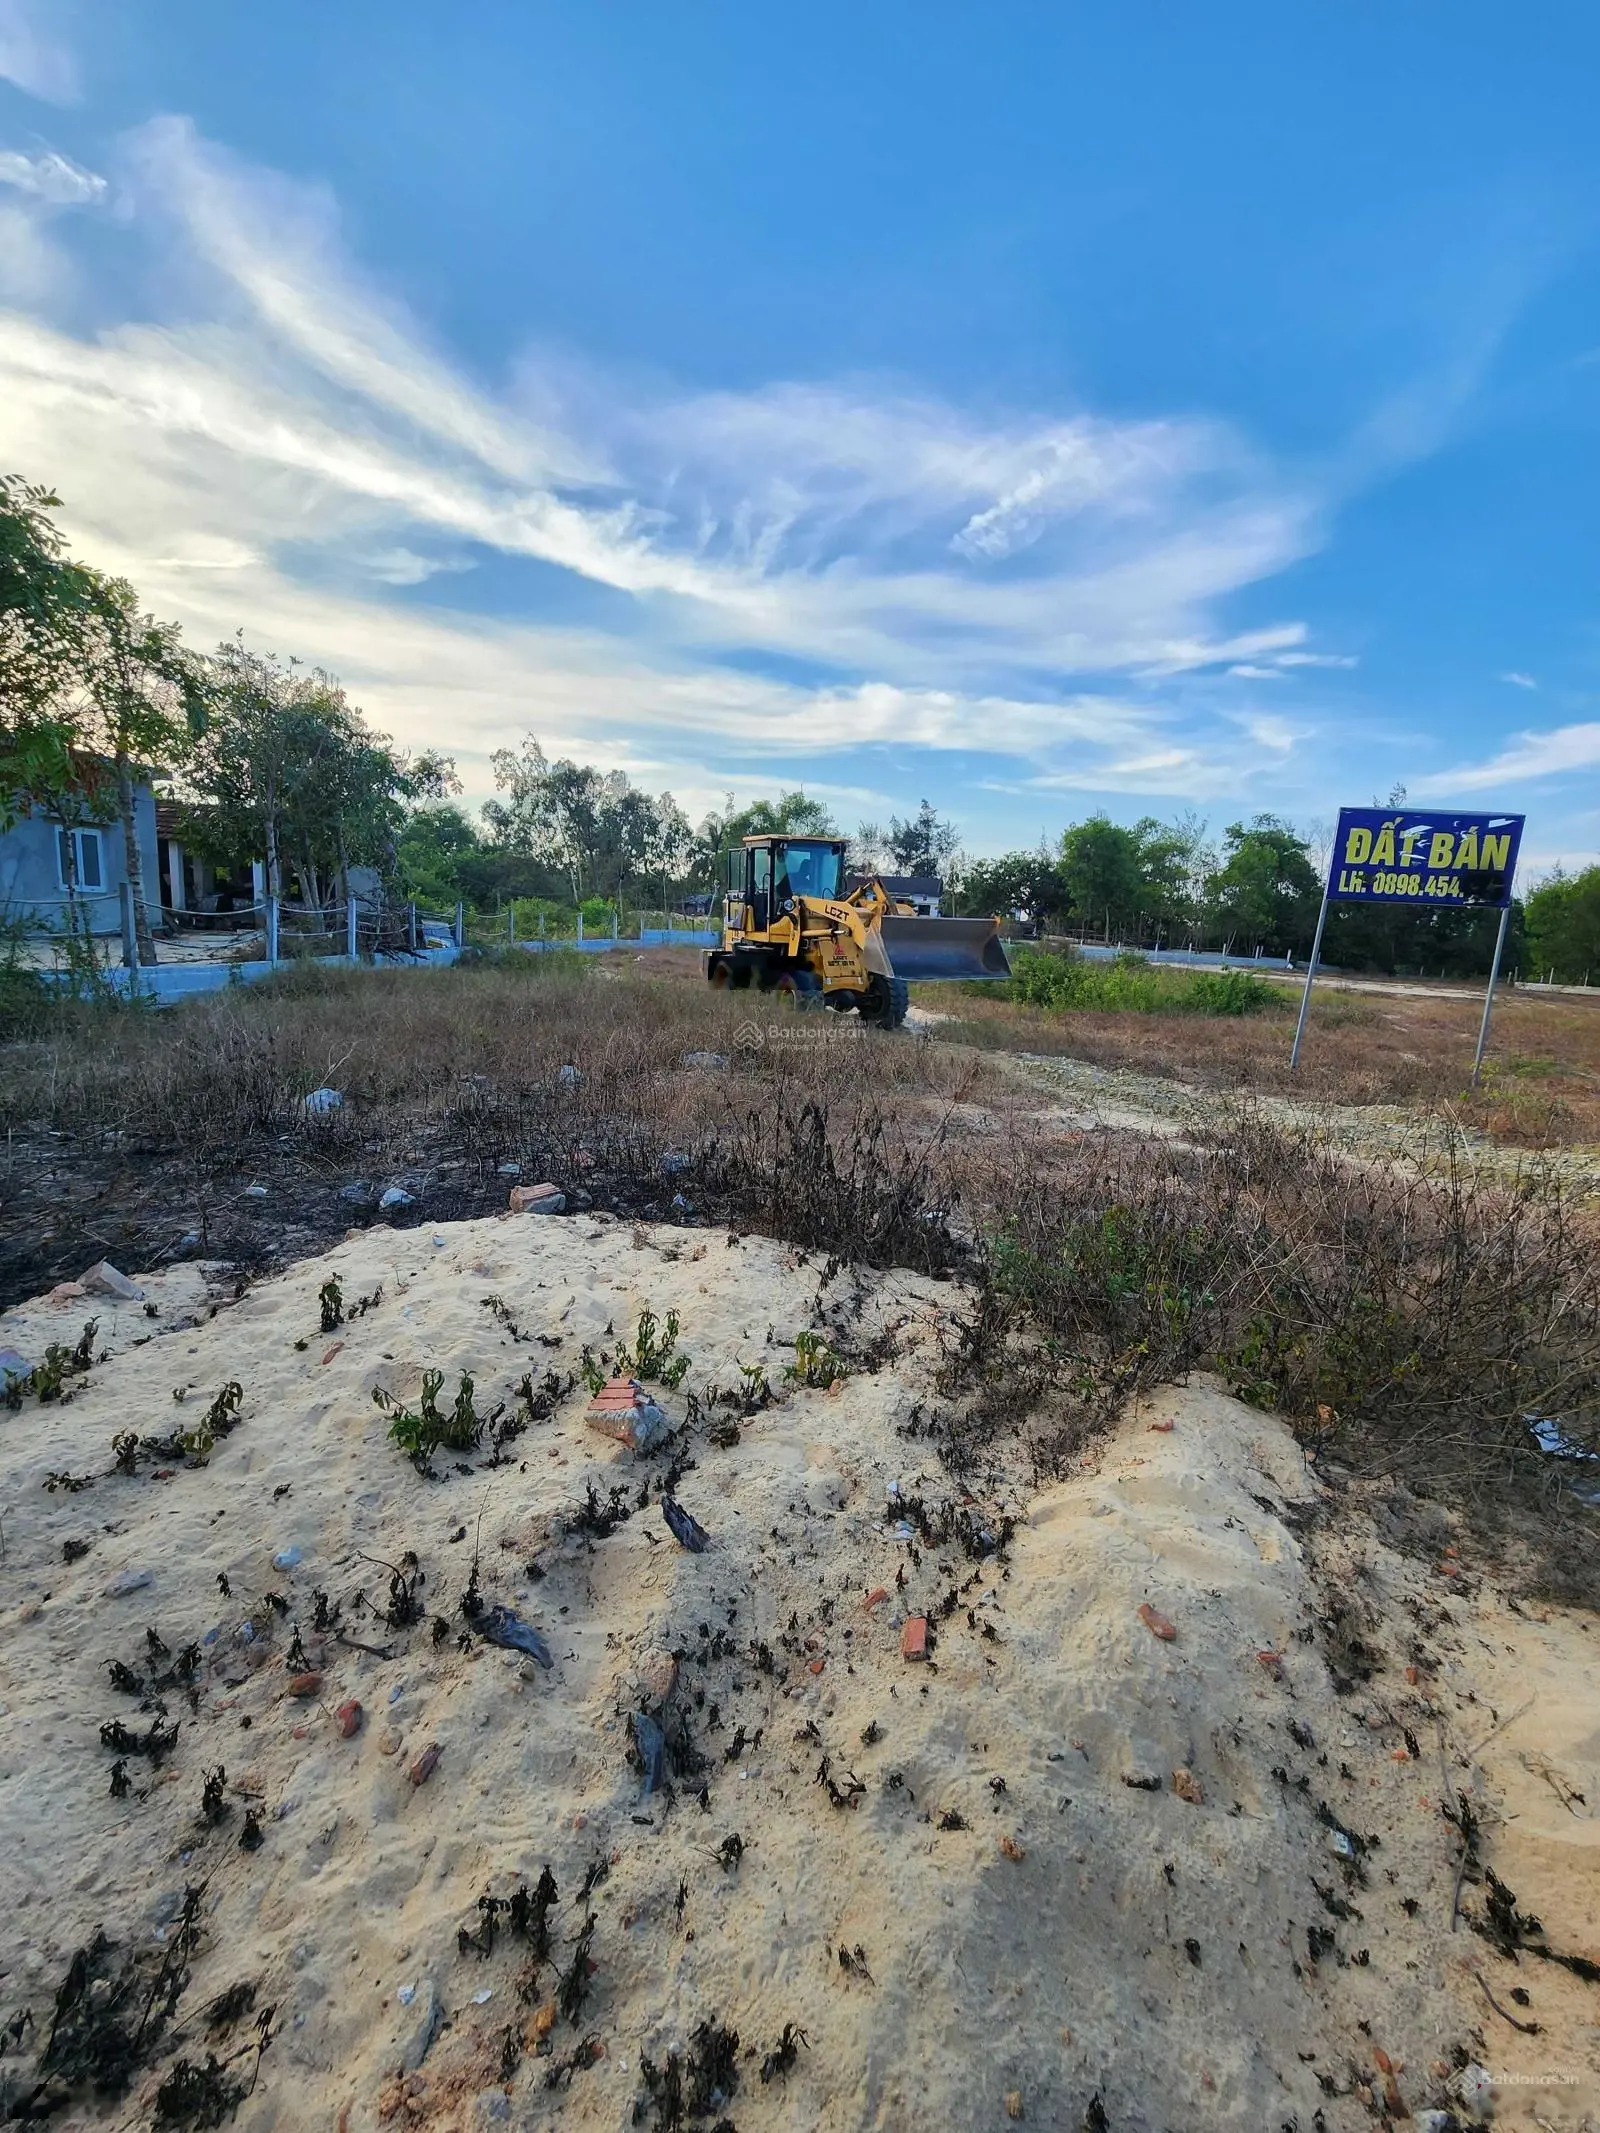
<point>1541,1083</point>
<point>1413,1322</point>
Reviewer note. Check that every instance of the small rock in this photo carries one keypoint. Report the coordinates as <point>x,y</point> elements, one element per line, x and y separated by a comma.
<point>396,1196</point>
<point>1157,1624</point>
<point>420,2032</point>
<point>1012,1850</point>
<point>303,1685</point>
<point>914,1638</point>
<point>389,1742</point>
<point>1013,2101</point>
<point>426,1764</point>
<point>658,1677</point>
<point>543,1199</point>
<point>348,1717</point>
<point>66,1292</point>
<point>127,1581</point>
<point>105,1280</point>
<point>1188,1787</point>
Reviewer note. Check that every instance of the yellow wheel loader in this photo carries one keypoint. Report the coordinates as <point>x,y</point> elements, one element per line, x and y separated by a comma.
<point>788,925</point>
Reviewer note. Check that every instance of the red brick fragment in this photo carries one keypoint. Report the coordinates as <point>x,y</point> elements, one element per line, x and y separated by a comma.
<point>1157,1624</point>
<point>348,1718</point>
<point>914,1638</point>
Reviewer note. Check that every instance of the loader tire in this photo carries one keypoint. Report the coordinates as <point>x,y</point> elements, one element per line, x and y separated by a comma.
<point>885,1002</point>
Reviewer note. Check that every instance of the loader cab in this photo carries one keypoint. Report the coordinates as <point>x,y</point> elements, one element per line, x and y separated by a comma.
<point>767,874</point>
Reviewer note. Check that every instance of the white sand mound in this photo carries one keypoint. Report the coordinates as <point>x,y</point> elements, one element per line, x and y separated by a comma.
<point>1068,1858</point>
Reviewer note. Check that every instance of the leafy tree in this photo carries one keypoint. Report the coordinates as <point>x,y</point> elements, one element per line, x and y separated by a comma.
<point>792,814</point>
<point>925,843</point>
<point>142,702</point>
<point>295,774</point>
<point>1265,891</point>
<point>1563,922</point>
<point>1026,884</point>
<point>42,604</point>
<point>433,843</point>
<point>1102,873</point>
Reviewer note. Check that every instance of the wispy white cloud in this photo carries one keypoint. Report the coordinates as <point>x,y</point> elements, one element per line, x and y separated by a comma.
<point>1531,755</point>
<point>36,62</point>
<point>1520,681</point>
<point>1318,659</point>
<point>1244,671</point>
<point>33,269</point>
<point>290,452</point>
<point>51,178</point>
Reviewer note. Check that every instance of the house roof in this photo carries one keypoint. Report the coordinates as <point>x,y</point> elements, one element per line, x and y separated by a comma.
<point>907,885</point>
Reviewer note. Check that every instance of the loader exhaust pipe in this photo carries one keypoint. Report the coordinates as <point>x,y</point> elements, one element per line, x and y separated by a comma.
<point>928,950</point>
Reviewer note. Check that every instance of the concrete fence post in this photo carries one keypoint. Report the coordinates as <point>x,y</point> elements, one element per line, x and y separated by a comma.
<point>580,928</point>
<point>274,913</point>
<point>411,927</point>
<point>459,930</point>
<point>130,939</point>
<point>352,934</point>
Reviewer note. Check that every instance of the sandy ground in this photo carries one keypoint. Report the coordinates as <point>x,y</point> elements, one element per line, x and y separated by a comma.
<point>1149,1104</point>
<point>1085,1861</point>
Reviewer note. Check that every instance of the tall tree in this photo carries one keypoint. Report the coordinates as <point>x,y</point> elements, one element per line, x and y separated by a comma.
<point>1266,891</point>
<point>924,843</point>
<point>144,701</point>
<point>43,597</point>
<point>1563,922</point>
<point>1101,871</point>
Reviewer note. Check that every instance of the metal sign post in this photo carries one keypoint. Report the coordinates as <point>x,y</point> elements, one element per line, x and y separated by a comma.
<point>1311,971</point>
<point>1426,862</point>
<point>1488,998</point>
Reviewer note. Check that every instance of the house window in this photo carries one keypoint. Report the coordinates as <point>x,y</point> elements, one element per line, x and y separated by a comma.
<point>86,851</point>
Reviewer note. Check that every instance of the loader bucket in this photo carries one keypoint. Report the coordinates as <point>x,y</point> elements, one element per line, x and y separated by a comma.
<point>924,949</point>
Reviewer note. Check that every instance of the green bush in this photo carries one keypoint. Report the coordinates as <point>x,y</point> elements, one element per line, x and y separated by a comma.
<point>1133,985</point>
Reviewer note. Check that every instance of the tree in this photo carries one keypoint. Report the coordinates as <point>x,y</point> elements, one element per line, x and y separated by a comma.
<point>1026,885</point>
<point>296,775</point>
<point>1102,873</point>
<point>42,603</point>
<point>1266,890</point>
<point>430,850</point>
<point>143,702</point>
<point>924,844</point>
<point>1563,922</point>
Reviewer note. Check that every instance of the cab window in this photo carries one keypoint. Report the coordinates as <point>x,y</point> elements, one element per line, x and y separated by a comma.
<point>809,870</point>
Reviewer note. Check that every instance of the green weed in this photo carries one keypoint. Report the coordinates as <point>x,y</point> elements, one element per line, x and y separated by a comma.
<point>1131,985</point>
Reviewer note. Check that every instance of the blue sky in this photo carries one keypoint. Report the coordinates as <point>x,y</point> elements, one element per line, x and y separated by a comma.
<point>1033,407</point>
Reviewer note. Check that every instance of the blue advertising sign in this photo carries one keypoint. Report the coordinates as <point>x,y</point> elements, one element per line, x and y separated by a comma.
<point>1385,856</point>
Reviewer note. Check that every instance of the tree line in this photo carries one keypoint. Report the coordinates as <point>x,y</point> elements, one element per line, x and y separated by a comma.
<point>279,766</point>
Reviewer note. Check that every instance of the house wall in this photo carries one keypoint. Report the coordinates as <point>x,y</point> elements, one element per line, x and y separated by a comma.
<point>30,877</point>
